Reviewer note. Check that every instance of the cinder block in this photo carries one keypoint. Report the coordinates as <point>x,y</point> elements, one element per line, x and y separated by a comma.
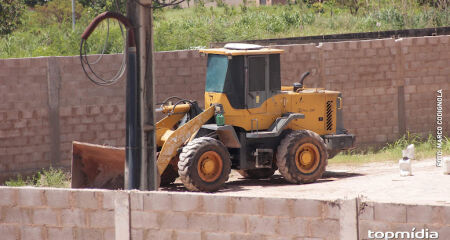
<point>331,210</point>
<point>28,196</point>
<point>377,43</point>
<point>419,214</point>
<point>239,236</point>
<point>46,216</point>
<point>307,208</point>
<point>326,228</point>
<point>233,223</point>
<point>292,227</point>
<point>8,196</point>
<point>432,40</point>
<point>389,212</point>
<point>59,233</point>
<point>9,232</point>
<point>365,211</point>
<point>371,52</point>
<point>262,225</point>
<point>277,207</point>
<point>217,204</point>
<point>245,205</point>
<point>217,236</point>
<point>203,222</point>
<point>146,220</point>
<point>110,234</point>
<point>73,218</point>
<point>108,198</point>
<point>159,234</point>
<point>85,199</point>
<point>101,219</point>
<point>57,198</point>
<point>88,233</point>
<point>365,44</point>
<point>157,202</point>
<point>328,45</point>
<point>187,235</point>
<point>17,215</point>
<point>174,220</point>
<point>186,202</point>
<point>137,234</point>
<point>136,201</point>
<point>31,233</point>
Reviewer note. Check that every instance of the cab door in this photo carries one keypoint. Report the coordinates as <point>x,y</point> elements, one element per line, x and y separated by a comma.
<point>257,83</point>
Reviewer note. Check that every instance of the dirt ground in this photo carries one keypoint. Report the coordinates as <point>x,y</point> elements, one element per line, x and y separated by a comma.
<point>375,182</point>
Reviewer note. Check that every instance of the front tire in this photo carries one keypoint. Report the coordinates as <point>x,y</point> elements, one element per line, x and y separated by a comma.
<point>302,157</point>
<point>204,165</point>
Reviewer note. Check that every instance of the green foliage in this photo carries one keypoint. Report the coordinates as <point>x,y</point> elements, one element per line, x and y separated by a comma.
<point>424,148</point>
<point>18,182</point>
<point>10,15</point>
<point>352,5</point>
<point>33,3</point>
<point>46,178</point>
<point>57,11</point>
<point>198,26</point>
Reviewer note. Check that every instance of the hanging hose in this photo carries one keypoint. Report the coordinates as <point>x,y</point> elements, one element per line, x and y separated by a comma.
<point>86,65</point>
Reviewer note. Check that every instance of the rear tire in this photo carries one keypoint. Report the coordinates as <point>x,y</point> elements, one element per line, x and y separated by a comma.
<point>204,165</point>
<point>302,157</point>
<point>257,173</point>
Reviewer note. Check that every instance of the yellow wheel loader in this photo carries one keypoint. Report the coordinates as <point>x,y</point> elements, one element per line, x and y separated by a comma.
<point>250,123</point>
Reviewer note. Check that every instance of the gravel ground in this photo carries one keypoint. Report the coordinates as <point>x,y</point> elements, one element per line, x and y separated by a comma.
<point>374,182</point>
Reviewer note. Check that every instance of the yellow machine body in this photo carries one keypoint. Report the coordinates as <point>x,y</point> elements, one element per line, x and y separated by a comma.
<point>311,102</point>
<point>251,114</point>
<point>103,166</point>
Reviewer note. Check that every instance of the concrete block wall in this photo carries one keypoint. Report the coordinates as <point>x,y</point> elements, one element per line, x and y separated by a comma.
<point>392,217</point>
<point>46,103</point>
<point>53,214</point>
<point>389,87</point>
<point>44,214</point>
<point>204,216</point>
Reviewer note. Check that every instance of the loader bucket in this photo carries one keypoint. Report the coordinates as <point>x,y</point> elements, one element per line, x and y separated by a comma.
<point>97,166</point>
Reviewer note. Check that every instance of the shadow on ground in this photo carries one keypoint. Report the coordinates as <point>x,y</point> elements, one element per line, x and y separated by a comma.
<point>241,184</point>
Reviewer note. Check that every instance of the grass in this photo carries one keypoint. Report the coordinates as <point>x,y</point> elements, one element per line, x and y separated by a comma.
<point>424,148</point>
<point>198,26</point>
<point>45,178</point>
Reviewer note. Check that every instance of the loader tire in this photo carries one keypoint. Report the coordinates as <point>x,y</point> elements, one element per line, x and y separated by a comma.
<point>257,173</point>
<point>302,157</point>
<point>204,165</point>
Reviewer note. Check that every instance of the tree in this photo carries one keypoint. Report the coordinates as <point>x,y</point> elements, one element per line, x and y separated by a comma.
<point>10,15</point>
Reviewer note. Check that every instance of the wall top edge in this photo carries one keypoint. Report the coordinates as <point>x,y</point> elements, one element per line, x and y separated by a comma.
<point>279,45</point>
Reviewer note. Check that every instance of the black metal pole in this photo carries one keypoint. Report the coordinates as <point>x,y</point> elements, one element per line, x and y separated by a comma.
<point>140,16</point>
<point>133,133</point>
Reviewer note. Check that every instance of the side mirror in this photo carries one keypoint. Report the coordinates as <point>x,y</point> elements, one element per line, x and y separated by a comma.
<point>299,85</point>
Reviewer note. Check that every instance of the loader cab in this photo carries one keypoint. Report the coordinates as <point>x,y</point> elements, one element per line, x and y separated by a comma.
<point>247,74</point>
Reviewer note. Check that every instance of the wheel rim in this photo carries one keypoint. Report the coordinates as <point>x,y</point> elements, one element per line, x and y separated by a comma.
<point>307,158</point>
<point>209,166</point>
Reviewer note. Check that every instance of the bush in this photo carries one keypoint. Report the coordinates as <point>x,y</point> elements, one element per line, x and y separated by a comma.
<point>46,178</point>
<point>10,15</point>
<point>57,11</point>
<point>33,3</point>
